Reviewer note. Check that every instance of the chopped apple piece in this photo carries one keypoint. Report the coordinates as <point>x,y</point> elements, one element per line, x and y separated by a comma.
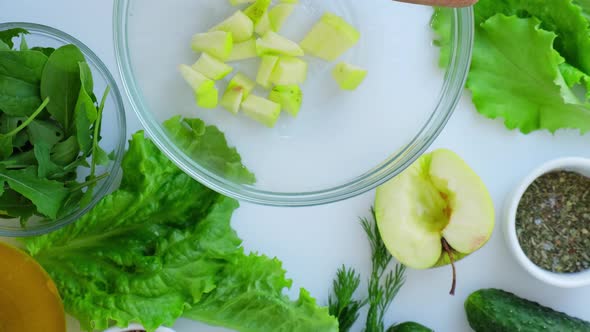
<point>290,97</point>
<point>206,94</point>
<point>279,14</point>
<point>266,69</point>
<point>240,2</point>
<point>242,81</point>
<point>244,50</point>
<point>216,43</point>
<point>232,99</point>
<point>289,70</point>
<point>330,38</point>
<point>240,26</point>
<point>275,44</point>
<point>348,77</point>
<point>211,67</point>
<point>257,10</point>
<point>261,110</point>
<point>263,26</point>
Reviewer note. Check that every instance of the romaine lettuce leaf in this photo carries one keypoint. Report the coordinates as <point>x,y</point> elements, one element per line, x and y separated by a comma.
<point>162,244</point>
<point>522,84</point>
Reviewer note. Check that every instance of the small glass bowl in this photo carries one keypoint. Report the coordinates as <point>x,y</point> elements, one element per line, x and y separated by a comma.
<point>341,144</point>
<point>113,130</point>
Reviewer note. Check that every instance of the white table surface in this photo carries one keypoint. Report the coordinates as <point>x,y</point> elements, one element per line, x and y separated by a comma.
<point>314,242</point>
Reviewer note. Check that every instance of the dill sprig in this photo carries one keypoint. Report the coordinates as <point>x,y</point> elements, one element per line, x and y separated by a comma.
<point>381,291</point>
<point>341,303</point>
<point>383,286</point>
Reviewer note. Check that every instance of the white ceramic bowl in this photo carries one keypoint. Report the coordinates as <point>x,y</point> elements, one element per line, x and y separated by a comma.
<point>564,280</point>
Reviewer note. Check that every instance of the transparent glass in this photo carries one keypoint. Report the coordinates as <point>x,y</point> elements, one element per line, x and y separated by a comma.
<point>342,144</point>
<point>113,130</point>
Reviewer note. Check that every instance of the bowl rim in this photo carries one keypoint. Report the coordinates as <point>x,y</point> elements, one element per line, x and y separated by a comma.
<point>449,96</point>
<point>563,280</point>
<point>104,186</point>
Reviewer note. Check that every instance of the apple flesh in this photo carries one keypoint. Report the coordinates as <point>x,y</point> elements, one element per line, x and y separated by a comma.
<point>435,212</point>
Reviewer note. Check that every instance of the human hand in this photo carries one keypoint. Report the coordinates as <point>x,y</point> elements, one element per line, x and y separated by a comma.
<point>442,3</point>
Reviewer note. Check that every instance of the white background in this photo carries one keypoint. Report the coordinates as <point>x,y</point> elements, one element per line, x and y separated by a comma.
<point>314,242</point>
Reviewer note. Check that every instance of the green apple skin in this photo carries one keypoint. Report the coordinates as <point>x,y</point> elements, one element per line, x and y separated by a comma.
<point>438,197</point>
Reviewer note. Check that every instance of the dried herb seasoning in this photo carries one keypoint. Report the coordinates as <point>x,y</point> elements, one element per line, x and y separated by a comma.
<point>553,222</point>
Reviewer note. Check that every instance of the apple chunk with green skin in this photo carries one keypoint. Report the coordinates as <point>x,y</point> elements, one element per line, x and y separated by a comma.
<point>435,212</point>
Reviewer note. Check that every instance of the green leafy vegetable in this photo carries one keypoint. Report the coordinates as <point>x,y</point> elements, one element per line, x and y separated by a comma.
<point>521,84</point>
<point>47,195</point>
<point>208,145</point>
<point>62,73</point>
<point>530,88</point>
<point>162,246</point>
<point>49,122</point>
<point>6,36</point>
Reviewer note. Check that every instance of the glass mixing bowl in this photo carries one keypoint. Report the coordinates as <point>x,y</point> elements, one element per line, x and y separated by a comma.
<point>113,132</point>
<point>342,143</point>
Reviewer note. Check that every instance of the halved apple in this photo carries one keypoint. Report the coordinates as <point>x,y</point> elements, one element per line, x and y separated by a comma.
<point>435,212</point>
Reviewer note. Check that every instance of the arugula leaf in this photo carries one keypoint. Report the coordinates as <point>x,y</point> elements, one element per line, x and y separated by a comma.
<point>520,84</point>
<point>47,195</point>
<point>562,17</point>
<point>249,299</point>
<point>13,204</point>
<point>65,152</point>
<point>26,66</point>
<point>6,36</point>
<point>5,147</point>
<point>61,82</point>
<point>148,252</point>
<point>208,145</point>
<point>18,98</point>
<point>46,168</point>
<point>47,51</point>
<point>85,113</point>
<point>20,160</point>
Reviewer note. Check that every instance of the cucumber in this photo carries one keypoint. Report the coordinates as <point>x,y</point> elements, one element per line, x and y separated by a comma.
<point>409,327</point>
<point>242,51</point>
<point>495,310</point>
<point>279,14</point>
<point>211,67</point>
<point>261,110</point>
<point>217,43</point>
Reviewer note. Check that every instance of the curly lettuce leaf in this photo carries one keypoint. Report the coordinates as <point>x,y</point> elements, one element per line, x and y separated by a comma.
<point>442,24</point>
<point>250,299</point>
<point>163,244</point>
<point>145,252</point>
<point>585,5</point>
<point>208,146</point>
<point>523,85</point>
<point>562,17</point>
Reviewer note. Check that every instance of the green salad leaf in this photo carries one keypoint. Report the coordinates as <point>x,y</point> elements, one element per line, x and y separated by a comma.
<point>249,299</point>
<point>162,246</point>
<point>562,17</point>
<point>521,84</point>
<point>532,87</point>
<point>62,72</point>
<point>6,36</point>
<point>212,152</point>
